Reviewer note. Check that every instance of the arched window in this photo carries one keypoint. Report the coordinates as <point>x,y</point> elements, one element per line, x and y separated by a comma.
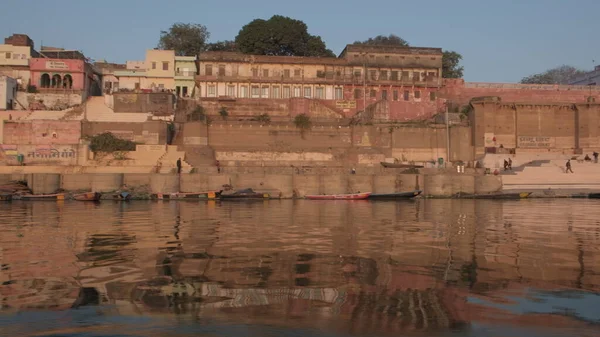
<point>56,81</point>
<point>45,81</point>
<point>67,81</point>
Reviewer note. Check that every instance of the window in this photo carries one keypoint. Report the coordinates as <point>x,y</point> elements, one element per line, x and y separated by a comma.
<point>319,93</point>
<point>394,76</point>
<point>221,70</point>
<point>296,72</point>
<point>208,70</point>
<point>338,74</point>
<point>165,65</point>
<point>137,86</point>
<point>417,94</point>
<point>153,65</point>
<point>416,76</point>
<point>265,72</point>
<point>161,86</point>
<point>7,56</point>
<point>244,91</point>
<point>296,91</point>
<point>383,75</point>
<point>395,95</point>
<point>431,75</point>
<point>320,74</point>
<point>357,73</point>
<point>432,96</point>
<point>406,94</point>
<point>275,92</point>
<point>265,91</point>
<point>339,93</point>
<point>307,92</point>
<point>231,91</point>
<point>384,94</point>
<point>286,92</point>
<point>255,91</point>
<point>286,73</point>
<point>405,75</point>
<point>212,90</point>
<point>16,56</point>
<point>372,93</point>
<point>255,72</point>
<point>373,74</point>
<point>357,93</point>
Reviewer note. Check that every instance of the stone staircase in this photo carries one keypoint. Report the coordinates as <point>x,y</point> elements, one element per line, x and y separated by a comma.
<point>98,111</point>
<point>168,161</point>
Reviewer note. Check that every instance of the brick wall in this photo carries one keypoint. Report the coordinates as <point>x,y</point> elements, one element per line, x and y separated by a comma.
<point>41,132</point>
<point>149,133</point>
<point>157,103</point>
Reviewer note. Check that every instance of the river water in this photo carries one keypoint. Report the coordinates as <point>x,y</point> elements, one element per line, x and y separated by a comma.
<point>301,268</point>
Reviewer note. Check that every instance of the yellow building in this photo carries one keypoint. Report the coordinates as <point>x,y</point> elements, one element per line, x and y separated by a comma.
<point>156,72</point>
<point>379,71</point>
<point>15,54</point>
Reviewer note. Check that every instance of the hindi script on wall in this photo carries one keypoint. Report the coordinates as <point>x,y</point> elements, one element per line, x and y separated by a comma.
<point>536,142</point>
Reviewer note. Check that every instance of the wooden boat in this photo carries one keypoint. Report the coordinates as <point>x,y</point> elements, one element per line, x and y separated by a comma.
<point>5,197</point>
<point>87,196</point>
<point>36,197</point>
<point>186,196</point>
<point>594,195</point>
<point>395,196</point>
<point>399,165</point>
<point>352,196</point>
<point>521,195</point>
<point>123,196</point>
<point>244,194</point>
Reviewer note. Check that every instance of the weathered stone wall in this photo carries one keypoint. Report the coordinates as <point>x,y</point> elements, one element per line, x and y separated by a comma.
<point>160,103</point>
<point>149,133</point>
<point>38,132</point>
<point>51,101</point>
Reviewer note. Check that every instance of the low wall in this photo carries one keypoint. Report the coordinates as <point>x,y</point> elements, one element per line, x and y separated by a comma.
<point>63,154</point>
<point>289,185</point>
<point>39,132</point>
<point>148,133</point>
<point>160,103</point>
<point>48,101</point>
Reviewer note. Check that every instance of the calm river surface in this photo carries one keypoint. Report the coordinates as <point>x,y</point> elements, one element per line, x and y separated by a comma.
<point>301,268</point>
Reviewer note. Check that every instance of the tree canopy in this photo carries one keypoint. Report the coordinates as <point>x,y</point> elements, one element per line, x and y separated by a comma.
<point>560,75</point>
<point>186,39</point>
<point>282,36</point>
<point>451,67</point>
<point>390,40</point>
<point>226,45</point>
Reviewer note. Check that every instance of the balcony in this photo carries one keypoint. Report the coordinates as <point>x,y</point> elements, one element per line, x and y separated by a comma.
<point>332,80</point>
<point>184,75</point>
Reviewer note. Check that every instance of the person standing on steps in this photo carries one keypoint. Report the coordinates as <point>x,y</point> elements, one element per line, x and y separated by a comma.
<point>595,154</point>
<point>179,166</point>
<point>568,165</point>
<point>218,166</point>
<point>510,164</point>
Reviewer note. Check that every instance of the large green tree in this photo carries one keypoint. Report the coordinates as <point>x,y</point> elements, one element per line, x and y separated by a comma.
<point>186,39</point>
<point>451,67</point>
<point>226,45</point>
<point>280,35</point>
<point>390,40</point>
<point>560,75</point>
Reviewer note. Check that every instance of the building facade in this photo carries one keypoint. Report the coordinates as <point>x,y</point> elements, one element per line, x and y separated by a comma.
<point>155,73</point>
<point>360,75</point>
<point>8,92</point>
<point>110,82</point>
<point>15,54</point>
<point>185,70</point>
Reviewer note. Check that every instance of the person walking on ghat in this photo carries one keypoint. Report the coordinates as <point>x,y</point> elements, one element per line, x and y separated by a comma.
<point>595,154</point>
<point>568,165</point>
<point>510,164</point>
<point>505,165</point>
<point>179,165</point>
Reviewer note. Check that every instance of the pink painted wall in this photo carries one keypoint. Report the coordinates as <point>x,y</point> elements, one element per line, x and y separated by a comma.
<point>42,132</point>
<point>75,68</point>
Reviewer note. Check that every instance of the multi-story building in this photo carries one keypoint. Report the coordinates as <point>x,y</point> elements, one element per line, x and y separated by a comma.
<point>15,54</point>
<point>361,74</point>
<point>155,73</point>
<point>590,78</point>
<point>110,83</point>
<point>8,92</point>
<point>185,70</point>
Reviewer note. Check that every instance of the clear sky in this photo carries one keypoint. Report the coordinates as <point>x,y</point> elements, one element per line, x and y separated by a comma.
<point>501,41</point>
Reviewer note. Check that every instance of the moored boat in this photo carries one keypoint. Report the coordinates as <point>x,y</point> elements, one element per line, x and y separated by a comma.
<point>594,195</point>
<point>5,197</point>
<point>88,196</point>
<point>123,196</point>
<point>395,196</point>
<point>399,165</point>
<point>350,196</point>
<point>520,195</point>
<point>35,197</point>
<point>244,194</point>
<point>186,196</point>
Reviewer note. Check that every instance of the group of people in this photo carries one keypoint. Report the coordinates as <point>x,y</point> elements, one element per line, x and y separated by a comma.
<point>507,164</point>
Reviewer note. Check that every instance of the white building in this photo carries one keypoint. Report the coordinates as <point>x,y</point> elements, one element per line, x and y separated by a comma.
<point>591,78</point>
<point>8,92</point>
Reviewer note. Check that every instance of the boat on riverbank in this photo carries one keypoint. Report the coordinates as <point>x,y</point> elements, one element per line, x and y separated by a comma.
<point>211,195</point>
<point>514,196</point>
<point>395,196</point>
<point>594,195</point>
<point>87,196</point>
<point>351,196</point>
<point>5,197</point>
<point>123,196</point>
<point>245,194</point>
<point>43,197</point>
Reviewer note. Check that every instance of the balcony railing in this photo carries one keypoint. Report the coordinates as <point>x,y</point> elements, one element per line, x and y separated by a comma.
<point>355,80</point>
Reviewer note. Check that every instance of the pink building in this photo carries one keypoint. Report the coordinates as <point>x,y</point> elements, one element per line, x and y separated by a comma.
<point>59,73</point>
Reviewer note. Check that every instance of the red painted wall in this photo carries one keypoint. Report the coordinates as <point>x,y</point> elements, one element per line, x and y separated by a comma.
<point>75,68</point>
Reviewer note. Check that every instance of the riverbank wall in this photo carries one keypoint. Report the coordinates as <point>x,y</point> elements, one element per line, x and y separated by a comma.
<point>284,185</point>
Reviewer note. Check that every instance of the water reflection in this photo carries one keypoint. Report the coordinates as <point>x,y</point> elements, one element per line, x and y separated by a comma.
<point>359,268</point>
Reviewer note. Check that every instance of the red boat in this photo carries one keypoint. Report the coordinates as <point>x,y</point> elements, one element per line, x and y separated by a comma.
<point>354,196</point>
